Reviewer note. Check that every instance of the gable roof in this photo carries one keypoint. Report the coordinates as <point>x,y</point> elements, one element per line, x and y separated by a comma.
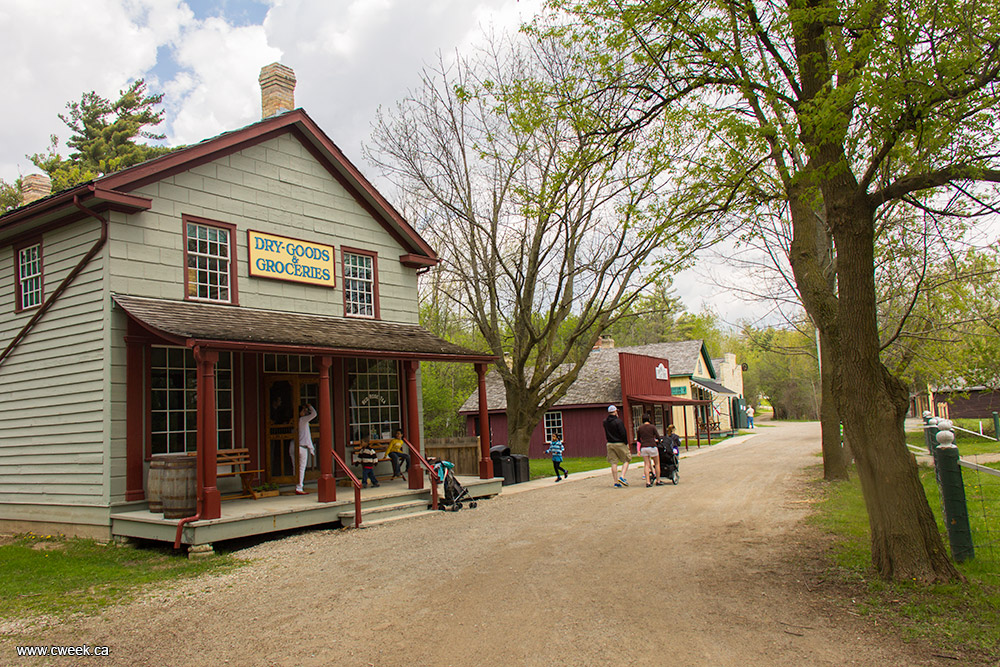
<point>599,381</point>
<point>60,206</point>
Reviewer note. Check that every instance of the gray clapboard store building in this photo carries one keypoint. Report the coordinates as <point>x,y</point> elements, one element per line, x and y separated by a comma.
<point>188,305</point>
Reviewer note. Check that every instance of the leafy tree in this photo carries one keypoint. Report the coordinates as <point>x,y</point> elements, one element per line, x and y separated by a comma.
<point>651,318</point>
<point>850,106</point>
<point>445,386</point>
<point>545,226</point>
<point>10,195</point>
<point>104,136</point>
<point>786,371</point>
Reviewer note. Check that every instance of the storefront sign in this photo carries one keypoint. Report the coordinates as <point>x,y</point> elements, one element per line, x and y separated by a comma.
<point>678,391</point>
<point>282,258</point>
<point>662,373</point>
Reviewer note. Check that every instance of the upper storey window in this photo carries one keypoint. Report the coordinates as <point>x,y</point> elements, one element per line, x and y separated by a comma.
<point>360,284</point>
<point>29,287</point>
<point>210,262</point>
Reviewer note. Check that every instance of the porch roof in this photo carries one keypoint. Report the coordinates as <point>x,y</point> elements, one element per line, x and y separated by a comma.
<point>713,387</point>
<point>240,328</point>
<point>670,400</point>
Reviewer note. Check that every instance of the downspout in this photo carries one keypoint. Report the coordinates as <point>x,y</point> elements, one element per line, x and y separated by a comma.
<point>188,519</point>
<point>96,248</point>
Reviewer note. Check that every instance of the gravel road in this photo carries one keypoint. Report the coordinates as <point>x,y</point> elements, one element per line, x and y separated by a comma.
<point>719,570</point>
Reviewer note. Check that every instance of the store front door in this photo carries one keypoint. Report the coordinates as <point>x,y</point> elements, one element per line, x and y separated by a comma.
<point>285,393</point>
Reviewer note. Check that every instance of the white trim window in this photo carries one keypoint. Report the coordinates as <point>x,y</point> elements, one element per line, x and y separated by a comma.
<point>553,425</point>
<point>208,258</point>
<point>359,285</point>
<point>29,276</point>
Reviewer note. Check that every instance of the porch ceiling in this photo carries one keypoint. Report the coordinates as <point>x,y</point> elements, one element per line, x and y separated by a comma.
<point>237,327</point>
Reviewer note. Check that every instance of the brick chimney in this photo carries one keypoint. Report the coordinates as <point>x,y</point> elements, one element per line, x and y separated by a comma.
<point>277,89</point>
<point>35,186</point>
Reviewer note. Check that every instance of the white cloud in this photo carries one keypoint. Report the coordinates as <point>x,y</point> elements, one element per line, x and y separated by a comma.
<point>54,51</point>
<point>217,88</point>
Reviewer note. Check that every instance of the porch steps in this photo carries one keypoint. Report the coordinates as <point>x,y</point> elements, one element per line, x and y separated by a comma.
<point>371,516</point>
<point>371,523</point>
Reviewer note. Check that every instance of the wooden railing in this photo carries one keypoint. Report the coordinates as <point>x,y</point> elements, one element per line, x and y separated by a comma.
<point>434,481</point>
<point>354,482</point>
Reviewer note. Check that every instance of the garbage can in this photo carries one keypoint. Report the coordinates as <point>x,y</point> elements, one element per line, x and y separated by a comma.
<point>522,471</point>
<point>503,464</point>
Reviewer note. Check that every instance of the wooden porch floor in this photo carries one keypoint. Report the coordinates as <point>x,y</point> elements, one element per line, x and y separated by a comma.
<point>245,516</point>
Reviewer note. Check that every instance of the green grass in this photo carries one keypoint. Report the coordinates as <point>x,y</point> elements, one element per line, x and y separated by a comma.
<point>543,467</point>
<point>968,444</point>
<point>45,575</point>
<point>961,616</point>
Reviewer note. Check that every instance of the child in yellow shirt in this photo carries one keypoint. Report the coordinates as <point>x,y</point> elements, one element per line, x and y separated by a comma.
<point>396,451</point>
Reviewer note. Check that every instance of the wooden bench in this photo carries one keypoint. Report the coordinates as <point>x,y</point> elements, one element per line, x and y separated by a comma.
<point>709,427</point>
<point>238,459</point>
<point>378,445</point>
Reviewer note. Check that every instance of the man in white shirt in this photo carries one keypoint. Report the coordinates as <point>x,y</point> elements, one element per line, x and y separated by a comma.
<point>749,410</point>
<point>301,450</point>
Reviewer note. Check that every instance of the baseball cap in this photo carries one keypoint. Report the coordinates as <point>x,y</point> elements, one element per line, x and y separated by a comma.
<point>612,408</point>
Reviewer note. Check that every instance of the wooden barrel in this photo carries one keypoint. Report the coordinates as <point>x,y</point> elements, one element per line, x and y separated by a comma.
<point>154,484</point>
<point>154,481</point>
<point>178,489</point>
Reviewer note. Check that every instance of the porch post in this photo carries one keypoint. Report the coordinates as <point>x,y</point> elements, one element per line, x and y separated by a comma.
<point>327,485</point>
<point>339,410</point>
<point>627,419</point>
<point>485,439</point>
<point>211,504</point>
<point>134,431</point>
<point>684,411</point>
<point>416,472</point>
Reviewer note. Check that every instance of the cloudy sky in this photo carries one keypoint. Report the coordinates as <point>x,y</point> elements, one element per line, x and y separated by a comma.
<point>349,57</point>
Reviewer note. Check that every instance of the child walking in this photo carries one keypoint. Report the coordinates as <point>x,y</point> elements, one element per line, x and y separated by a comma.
<point>556,449</point>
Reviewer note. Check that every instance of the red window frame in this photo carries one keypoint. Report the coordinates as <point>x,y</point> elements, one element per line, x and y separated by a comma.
<point>344,252</point>
<point>18,304</point>
<point>234,294</point>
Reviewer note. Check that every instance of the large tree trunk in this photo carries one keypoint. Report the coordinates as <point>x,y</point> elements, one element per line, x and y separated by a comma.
<point>835,458</point>
<point>904,536</point>
<point>522,418</point>
<point>811,257</point>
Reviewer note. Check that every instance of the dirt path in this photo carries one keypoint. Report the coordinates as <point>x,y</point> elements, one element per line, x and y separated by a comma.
<point>710,572</point>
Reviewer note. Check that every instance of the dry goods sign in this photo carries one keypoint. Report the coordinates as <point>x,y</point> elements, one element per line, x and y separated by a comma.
<point>283,258</point>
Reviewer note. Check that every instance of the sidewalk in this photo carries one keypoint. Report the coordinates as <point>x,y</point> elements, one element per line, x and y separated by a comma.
<point>545,482</point>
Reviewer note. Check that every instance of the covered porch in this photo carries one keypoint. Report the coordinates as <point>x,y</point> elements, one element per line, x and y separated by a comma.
<point>204,379</point>
<point>245,517</point>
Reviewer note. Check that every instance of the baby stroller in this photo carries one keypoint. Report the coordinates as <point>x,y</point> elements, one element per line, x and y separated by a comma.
<point>669,460</point>
<point>454,493</point>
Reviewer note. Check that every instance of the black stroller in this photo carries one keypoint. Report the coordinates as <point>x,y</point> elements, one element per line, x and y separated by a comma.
<point>454,493</point>
<point>669,459</point>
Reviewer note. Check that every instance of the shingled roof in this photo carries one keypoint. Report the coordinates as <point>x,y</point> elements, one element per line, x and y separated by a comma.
<point>599,381</point>
<point>229,326</point>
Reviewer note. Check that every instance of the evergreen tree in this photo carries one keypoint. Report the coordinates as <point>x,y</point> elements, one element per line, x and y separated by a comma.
<point>104,136</point>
